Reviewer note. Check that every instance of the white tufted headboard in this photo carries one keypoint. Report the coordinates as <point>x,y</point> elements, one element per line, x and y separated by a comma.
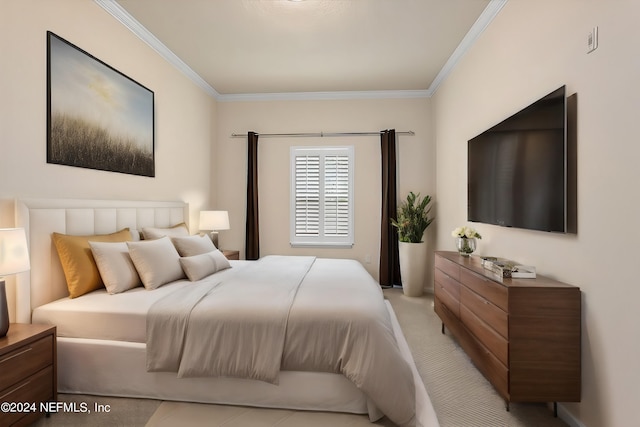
<point>41,217</point>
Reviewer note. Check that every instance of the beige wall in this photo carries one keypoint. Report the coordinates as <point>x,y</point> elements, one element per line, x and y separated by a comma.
<point>416,163</point>
<point>184,113</point>
<point>530,49</point>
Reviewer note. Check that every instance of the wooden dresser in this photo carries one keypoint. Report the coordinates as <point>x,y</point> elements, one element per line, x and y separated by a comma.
<point>28,369</point>
<point>522,334</point>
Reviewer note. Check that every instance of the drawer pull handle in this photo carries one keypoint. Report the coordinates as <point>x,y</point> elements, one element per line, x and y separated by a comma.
<point>15,389</point>
<point>26,350</point>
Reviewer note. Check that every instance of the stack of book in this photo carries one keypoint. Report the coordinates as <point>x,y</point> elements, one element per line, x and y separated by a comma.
<point>506,269</point>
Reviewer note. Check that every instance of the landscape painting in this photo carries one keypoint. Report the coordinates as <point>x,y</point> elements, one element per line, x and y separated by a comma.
<point>98,118</point>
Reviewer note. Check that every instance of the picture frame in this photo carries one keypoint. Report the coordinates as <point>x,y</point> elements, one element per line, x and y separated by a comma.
<point>97,117</point>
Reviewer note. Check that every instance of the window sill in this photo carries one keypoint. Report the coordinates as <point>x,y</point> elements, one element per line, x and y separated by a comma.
<point>336,245</point>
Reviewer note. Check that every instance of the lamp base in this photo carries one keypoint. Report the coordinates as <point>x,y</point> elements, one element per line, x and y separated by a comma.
<point>214,238</point>
<point>4,310</point>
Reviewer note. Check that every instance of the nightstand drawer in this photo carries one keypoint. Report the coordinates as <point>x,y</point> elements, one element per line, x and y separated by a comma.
<point>231,254</point>
<point>25,361</point>
<point>33,390</point>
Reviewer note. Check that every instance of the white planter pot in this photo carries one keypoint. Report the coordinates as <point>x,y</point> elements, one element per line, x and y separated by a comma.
<point>413,267</point>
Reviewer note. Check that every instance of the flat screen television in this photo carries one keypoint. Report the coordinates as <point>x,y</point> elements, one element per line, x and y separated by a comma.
<point>520,172</point>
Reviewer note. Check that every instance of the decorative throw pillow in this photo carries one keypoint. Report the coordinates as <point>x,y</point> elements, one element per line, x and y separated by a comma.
<point>115,266</point>
<point>157,261</point>
<point>78,264</point>
<point>135,235</point>
<point>150,233</point>
<point>199,266</point>
<point>193,245</point>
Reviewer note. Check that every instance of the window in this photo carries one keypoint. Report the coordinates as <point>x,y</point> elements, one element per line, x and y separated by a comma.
<point>322,196</point>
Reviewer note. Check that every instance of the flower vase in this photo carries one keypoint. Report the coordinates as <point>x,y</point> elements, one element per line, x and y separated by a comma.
<point>465,245</point>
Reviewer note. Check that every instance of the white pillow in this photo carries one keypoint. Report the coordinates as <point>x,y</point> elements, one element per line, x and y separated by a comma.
<point>150,233</point>
<point>193,245</point>
<point>157,261</point>
<point>198,266</point>
<point>115,266</point>
<point>136,236</point>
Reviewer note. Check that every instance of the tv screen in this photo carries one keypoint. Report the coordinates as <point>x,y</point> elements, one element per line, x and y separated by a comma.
<point>517,170</point>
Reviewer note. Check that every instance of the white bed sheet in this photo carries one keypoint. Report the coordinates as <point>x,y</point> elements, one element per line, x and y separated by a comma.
<point>112,366</point>
<point>108,368</point>
<point>119,317</point>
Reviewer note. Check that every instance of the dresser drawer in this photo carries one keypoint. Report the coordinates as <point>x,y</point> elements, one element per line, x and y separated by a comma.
<point>487,336</point>
<point>524,335</point>
<point>490,313</point>
<point>449,267</point>
<point>486,362</point>
<point>448,283</point>
<point>33,390</point>
<point>495,371</point>
<point>445,314</point>
<point>487,288</point>
<point>25,361</point>
<point>443,296</point>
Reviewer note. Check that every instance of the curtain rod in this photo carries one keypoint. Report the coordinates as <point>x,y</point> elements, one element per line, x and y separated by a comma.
<point>318,134</point>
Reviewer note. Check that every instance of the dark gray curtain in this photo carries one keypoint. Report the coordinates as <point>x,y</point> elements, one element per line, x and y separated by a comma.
<point>252,244</point>
<point>389,272</point>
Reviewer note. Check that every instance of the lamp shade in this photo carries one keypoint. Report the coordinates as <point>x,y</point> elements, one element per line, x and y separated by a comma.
<point>14,255</point>
<point>214,220</point>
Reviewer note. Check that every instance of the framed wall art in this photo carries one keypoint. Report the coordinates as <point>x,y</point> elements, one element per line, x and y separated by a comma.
<point>97,117</point>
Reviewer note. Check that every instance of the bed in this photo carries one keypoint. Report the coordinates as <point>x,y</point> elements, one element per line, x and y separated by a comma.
<point>102,338</point>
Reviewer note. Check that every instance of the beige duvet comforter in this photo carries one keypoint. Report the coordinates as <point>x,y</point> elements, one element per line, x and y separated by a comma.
<point>289,313</point>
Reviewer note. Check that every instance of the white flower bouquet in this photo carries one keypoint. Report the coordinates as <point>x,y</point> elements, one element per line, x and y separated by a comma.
<point>466,232</point>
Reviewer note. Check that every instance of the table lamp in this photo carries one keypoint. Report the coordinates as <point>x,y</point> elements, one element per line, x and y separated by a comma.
<point>14,258</point>
<point>212,221</point>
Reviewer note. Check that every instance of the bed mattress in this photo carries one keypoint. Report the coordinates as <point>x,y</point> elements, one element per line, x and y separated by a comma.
<point>118,317</point>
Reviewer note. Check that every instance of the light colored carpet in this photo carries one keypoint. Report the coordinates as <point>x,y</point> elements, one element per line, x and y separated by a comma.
<point>171,414</point>
<point>460,395</point>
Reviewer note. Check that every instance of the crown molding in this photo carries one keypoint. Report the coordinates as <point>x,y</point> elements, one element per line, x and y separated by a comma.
<point>485,18</point>
<point>478,27</point>
<point>316,96</point>
<point>118,12</point>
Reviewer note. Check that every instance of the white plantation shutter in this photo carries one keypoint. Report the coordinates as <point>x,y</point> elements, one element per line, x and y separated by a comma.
<point>336,195</point>
<point>307,196</point>
<point>322,196</point>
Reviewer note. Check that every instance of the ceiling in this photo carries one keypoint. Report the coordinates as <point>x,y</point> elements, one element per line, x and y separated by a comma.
<point>254,48</point>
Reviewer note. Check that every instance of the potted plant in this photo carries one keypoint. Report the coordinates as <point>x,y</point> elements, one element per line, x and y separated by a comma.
<point>413,220</point>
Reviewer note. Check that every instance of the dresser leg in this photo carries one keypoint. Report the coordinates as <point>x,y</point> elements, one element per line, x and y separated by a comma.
<point>442,329</point>
<point>555,409</point>
<point>506,405</point>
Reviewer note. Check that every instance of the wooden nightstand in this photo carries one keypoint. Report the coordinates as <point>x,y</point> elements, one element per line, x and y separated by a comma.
<point>231,254</point>
<point>28,372</point>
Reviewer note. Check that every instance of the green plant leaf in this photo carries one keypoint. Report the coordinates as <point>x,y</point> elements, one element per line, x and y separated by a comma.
<point>413,218</point>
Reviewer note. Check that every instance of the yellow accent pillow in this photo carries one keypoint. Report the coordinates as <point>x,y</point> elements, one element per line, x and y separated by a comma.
<point>79,267</point>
